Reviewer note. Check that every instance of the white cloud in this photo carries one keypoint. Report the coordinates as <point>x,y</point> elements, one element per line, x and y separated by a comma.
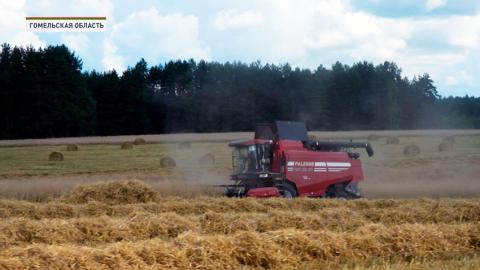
<point>70,8</point>
<point>436,64</point>
<point>448,51</point>
<point>111,60</point>
<point>451,81</point>
<point>77,42</point>
<point>459,77</point>
<point>153,36</point>
<point>14,28</point>
<point>233,18</point>
<point>465,31</point>
<point>294,30</point>
<point>434,4</point>
<point>364,35</point>
<point>308,33</point>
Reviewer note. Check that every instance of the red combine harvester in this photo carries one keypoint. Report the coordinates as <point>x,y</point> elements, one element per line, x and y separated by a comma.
<point>282,161</point>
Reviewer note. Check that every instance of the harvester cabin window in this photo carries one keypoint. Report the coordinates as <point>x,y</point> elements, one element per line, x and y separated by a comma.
<point>250,159</point>
<point>245,159</point>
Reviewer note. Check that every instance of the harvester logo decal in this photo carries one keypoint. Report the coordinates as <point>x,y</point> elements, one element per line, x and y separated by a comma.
<point>318,166</point>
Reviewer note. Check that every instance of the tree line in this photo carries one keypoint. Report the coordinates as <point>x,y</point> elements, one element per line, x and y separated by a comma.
<point>45,93</point>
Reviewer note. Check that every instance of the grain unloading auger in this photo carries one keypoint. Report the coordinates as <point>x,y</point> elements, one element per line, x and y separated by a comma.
<point>282,161</point>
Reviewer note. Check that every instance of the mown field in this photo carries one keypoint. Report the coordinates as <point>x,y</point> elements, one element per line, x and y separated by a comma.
<point>124,225</point>
<point>420,211</point>
<point>26,172</point>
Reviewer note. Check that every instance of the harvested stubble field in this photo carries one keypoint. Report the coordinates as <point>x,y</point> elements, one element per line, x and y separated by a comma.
<point>175,222</point>
<point>125,225</point>
<point>26,172</point>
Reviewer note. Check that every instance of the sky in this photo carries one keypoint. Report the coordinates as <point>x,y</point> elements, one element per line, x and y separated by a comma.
<point>438,37</point>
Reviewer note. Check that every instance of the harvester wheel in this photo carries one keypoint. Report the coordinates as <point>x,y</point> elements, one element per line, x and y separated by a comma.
<point>343,195</point>
<point>289,191</point>
<point>167,162</point>
<point>339,192</point>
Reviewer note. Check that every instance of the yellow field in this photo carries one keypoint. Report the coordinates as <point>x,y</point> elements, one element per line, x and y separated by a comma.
<point>127,225</point>
<point>176,223</point>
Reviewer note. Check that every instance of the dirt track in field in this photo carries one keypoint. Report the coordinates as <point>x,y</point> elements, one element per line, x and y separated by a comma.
<point>175,184</point>
<point>459,181</point>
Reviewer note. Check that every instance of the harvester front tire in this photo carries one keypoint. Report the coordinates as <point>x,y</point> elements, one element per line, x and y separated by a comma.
<point>289,191</point>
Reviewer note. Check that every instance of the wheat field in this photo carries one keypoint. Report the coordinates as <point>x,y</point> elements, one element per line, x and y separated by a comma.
<point>125,225</point>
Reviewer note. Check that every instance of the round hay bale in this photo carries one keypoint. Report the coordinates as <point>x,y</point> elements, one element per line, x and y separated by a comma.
<point>127,145</point>
<point>184,145</point>
<point>449,139</point>
<point>411,150</point>
<point>167,162</point>
<point>373,137</point>
<point>207,159</point>
<point>393,140</point>
<point>72,147</point>
<point>445,146</point>
<point>139,141</point>
<point>55,156</point>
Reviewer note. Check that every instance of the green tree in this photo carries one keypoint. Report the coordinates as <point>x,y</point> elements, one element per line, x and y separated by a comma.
<point>6,94</point>
<point>133,105</point>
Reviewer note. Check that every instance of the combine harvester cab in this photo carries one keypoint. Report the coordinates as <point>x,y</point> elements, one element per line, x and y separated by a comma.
<point>282,161</point>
